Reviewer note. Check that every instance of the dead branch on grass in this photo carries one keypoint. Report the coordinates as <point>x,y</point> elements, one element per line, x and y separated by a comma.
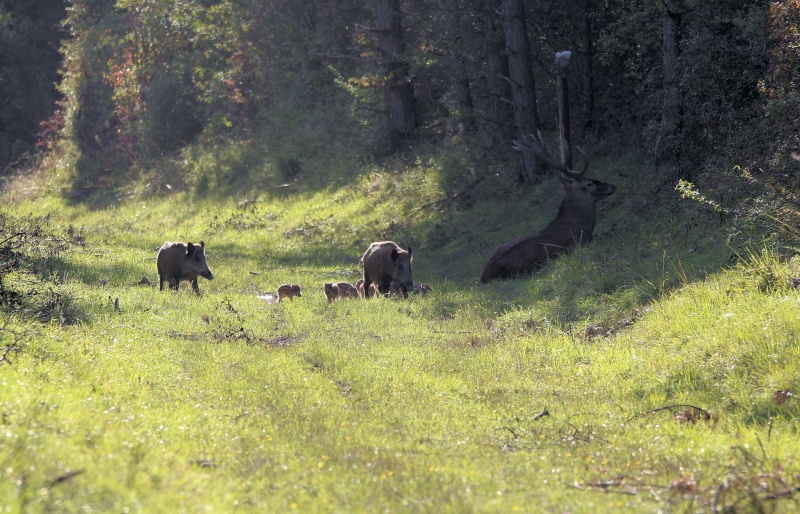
<point>682,416</point>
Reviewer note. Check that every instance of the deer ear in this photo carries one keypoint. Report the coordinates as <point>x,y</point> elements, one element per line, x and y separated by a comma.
<point>567,181</point>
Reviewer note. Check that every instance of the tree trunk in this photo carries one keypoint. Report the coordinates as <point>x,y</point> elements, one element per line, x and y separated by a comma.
<point>497,71</point>
<point>461,84</point>
<point>588,71</point>
<point>563,120</point>
<point>667,142</point>
<point>398,88</point>
<point>526,117</point>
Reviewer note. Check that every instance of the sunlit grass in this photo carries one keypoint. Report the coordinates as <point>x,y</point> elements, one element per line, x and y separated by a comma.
<point>536,395</point>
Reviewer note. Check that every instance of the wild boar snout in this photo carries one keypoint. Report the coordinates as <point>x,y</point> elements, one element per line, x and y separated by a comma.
<point>401,274</point>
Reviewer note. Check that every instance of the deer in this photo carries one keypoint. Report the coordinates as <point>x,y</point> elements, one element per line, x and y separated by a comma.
<point>572,227</point>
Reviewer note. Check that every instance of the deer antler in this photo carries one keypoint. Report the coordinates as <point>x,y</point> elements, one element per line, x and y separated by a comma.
<point>533,144</point>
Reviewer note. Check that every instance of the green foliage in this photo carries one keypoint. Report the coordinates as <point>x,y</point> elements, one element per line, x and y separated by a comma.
<point>31,254</point>
<point>147,84</point>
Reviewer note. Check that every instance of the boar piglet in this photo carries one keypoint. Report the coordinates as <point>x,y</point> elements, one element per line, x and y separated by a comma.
<point>179,261</point>
<point>288,291</point>
<point>347,290</point>
<point>331,291</point>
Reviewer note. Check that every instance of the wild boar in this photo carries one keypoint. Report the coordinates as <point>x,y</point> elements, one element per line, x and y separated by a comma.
<point>178,261</point>
<point>331,291</point>
<point>346,290</point>
<point>360,287</point>
<point>385,262</point>
<point>288,291</point>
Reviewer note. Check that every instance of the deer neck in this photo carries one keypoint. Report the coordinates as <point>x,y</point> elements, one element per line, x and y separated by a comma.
<point>578,213</point>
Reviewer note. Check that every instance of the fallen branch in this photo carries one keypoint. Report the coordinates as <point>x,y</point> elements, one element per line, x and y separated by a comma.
<point>66,476</point>
<point>451,197</point>
<point>542,414</point>
<point>602,489</point>
<point>516,437</point>
<point>7,351</point>
<point>675,406</point>
<point>786,493</point>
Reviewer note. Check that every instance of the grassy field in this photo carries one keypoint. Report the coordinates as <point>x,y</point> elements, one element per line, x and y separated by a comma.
<point>644,373</point>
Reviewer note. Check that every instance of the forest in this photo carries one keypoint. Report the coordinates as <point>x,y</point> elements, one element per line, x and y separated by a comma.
<point>653,366</point>
<point>111,91</point>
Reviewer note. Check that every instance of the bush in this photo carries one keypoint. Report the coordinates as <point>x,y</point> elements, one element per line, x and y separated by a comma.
<point>29,258</point>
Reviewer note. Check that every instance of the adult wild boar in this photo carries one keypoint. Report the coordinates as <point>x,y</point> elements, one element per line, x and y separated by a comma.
<point>385,262</point>
<point>178,261</point>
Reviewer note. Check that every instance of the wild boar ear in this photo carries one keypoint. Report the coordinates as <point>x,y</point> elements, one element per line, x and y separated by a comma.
<point>189,249</point>
<point>202,244</point>
<point>395,255</point>
<point>410,253</point>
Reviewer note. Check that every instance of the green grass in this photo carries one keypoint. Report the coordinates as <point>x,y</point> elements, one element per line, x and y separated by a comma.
<point>223,402</point>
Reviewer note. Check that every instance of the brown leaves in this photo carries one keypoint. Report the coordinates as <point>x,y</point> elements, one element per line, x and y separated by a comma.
<point>684,485</point>
<point>781,396</point>
<point>692,415</point>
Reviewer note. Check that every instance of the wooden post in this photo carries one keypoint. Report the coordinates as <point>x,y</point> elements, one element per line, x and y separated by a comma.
<point>563,120</point>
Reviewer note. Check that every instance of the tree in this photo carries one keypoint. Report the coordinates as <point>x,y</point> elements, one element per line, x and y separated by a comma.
<point>460,75</point>
<point>587,107</point>
<point>667,142</point>
<point>523,89</point>
<point>399,92</point>
<point>497,83</point>
<point>29,63</point>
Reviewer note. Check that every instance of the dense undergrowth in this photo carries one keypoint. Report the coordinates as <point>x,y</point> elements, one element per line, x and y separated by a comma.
<point>650,371</point>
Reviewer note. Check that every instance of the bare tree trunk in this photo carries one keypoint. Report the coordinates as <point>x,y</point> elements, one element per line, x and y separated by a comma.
<point>526,117</point>
<point>399,90</point>
<point>461,85</point>
<point>588,70</point>
<point>563,120</point>
<point>667,141</point>
<point>497,71</point>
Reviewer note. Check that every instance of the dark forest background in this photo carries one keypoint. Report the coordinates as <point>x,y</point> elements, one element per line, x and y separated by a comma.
<point>108,92</point>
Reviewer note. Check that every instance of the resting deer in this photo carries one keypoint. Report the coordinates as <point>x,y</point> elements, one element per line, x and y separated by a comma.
<point>573,226</point>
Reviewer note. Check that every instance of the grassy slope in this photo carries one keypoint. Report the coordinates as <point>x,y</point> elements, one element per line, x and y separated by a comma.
<point>223,401</point>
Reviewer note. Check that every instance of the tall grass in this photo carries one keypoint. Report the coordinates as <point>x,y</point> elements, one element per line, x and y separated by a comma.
<point>641,373</point>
